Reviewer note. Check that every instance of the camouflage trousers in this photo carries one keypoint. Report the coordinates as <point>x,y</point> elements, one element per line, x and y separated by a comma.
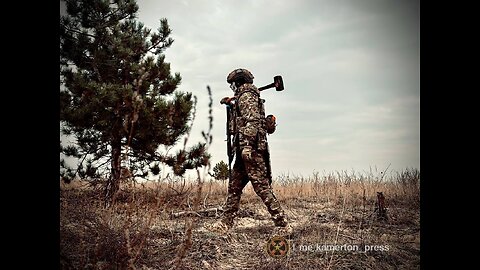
<point>254,171</point>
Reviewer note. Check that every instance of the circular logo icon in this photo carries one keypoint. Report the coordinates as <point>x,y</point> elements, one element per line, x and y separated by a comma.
<point>277,247</point>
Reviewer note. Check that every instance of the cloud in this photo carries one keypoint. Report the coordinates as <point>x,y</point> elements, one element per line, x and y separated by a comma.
<point>350,68</point>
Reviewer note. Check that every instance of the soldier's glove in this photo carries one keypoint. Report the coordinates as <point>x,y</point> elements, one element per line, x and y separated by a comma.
<point>247,153</point>
<point>271,123</point>
<point>227,100</point>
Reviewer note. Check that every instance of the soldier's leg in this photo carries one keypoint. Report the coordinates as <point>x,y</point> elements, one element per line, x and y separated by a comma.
<point>256,171</point>
<point>235,187</point>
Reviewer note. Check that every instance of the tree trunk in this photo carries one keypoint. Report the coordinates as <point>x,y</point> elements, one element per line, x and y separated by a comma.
<point>113,184</point>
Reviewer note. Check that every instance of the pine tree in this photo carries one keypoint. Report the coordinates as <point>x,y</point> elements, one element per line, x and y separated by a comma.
<point>220,171</point>
<point>118,97</point>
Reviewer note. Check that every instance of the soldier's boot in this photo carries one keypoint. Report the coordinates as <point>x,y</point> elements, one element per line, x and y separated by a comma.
<point>275,210</point>
<point>282,227</point>
<point>279,220</point>
<point>231,208</point>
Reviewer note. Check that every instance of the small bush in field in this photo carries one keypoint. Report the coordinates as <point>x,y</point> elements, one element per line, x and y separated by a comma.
<point>220,171</point>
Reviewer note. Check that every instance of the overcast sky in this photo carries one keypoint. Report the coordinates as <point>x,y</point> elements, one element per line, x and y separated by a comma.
<point>351,71</point>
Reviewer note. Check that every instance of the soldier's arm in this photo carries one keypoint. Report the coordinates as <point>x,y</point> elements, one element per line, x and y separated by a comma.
<point>248,106</point>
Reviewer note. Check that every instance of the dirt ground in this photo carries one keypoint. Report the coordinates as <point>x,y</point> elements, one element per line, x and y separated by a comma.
<point>145,230</point>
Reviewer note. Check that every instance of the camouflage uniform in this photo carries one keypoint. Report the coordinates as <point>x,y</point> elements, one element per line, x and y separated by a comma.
<point>248,125</point>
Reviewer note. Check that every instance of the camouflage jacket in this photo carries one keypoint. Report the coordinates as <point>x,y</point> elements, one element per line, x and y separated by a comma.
<point>249,118</point>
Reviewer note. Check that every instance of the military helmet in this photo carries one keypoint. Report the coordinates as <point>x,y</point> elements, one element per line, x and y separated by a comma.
<point>240,73</point>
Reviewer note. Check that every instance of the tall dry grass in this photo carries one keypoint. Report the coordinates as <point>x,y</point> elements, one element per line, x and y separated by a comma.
<point>94,237</point>
<point>333,187</point>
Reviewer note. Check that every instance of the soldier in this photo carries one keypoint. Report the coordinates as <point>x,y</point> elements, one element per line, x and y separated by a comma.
<point>250,147</point>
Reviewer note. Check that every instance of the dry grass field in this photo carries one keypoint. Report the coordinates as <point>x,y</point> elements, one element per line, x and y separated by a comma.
<point>162,224</point>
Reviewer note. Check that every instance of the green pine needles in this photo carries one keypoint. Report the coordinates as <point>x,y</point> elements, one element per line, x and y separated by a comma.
<point>118,98</point>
